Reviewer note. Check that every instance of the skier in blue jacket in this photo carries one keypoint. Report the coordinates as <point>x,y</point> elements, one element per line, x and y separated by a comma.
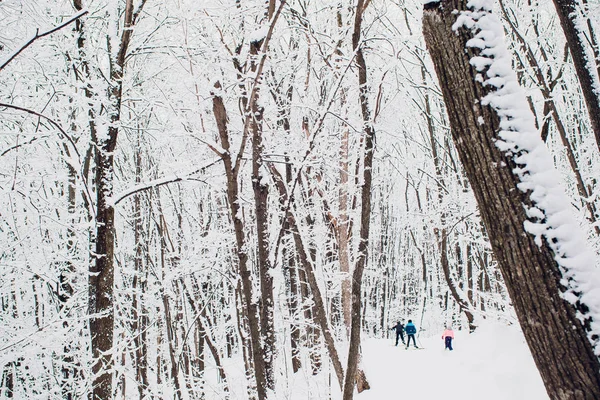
<point>410,330</point>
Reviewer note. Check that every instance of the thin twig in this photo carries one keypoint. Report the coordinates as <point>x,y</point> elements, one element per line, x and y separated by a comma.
<point>52,122</point>
<point>40,35</point>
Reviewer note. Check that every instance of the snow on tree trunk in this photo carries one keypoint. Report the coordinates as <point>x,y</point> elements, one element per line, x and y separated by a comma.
<point>261,192</point>
<point>233,198</point>
<point>540,250</point>
<point>352,372</point>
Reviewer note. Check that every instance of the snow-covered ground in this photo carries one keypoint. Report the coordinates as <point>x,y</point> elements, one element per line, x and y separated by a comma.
<point>494,363</point>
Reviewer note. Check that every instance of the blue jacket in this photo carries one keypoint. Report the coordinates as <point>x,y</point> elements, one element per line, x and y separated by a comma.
<point>410,328</point>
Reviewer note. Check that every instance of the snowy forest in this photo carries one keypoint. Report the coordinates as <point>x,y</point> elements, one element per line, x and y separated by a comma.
<point>203,196</point>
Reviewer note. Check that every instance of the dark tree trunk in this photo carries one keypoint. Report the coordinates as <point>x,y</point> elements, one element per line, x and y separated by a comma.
<point>261,192</point>
<point>365,214</point>
<point>463,303</point>
<point>291,281</point>
<point>307,274</point>
<point>233,199</point>
<point>101,280</point>
<point>573,29</point>
<point>140,315</point>
<point>102,275</point>
<point>556,337</point>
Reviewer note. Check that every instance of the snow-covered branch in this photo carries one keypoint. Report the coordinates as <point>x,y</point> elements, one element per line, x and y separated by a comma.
<point>158,182</point>
<point>41,35</point>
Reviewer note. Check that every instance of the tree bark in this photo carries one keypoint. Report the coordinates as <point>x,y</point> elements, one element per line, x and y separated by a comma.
<point>550,109</point>
<point>233,199</point>
<point>139,285</point>
<point>572,25</point>
<point>101,280</point>
<point>556,337</point>
<point>463,303</point>
<point>319,306</point>
<point>291,274</point>
<point>365,212</point>
<point>261,193</point>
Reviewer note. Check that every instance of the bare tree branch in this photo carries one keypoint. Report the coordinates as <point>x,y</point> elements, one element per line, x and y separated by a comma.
<point>40,35</point>
<point>52,122</point>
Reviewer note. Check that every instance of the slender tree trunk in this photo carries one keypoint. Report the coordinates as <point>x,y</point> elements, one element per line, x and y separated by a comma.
<point>365,215</point>
<point>305,261</point>
<point>65,284</point>
<point>291,276</point>
<point>169,322</point>
<point>550,109</point>
<point>343,228</point>
<point>140,318</point>
<point>463,303</point>
<point>202,322</point>
<point>572,22</point>
<point>343,225</point>
<point>564,357</point>
<point>261,192</point>
<point>101,279</point>
<point>231,172</point>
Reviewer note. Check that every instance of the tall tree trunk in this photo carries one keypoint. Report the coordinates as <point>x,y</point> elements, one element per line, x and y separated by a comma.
<point>261,192</point>
<point>170,323</point>
<point>65,288</point>
<point>291,273</point>
<point>564,357</point>
<point>365,214</point>
<point>551,110</point>
<point>139,285</point>
<point>343,225</point>
<point>343,231</point>
<point>101,279</point>
<point>462,302</point>
<point>319,309</point>
<point>233,199</point>
<point>572,22</point>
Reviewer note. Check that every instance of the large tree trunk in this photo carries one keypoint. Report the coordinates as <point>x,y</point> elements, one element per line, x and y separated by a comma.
<point>573,24</point>
<point>556,337</point>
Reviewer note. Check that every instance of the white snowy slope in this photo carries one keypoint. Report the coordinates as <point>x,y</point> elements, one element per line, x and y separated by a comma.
<point>494,363</point>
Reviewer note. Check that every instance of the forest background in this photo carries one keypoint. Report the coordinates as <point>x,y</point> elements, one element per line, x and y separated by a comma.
<point>187,182</point>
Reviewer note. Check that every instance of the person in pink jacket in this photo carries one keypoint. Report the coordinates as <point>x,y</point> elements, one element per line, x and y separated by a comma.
<point>448,335</point>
